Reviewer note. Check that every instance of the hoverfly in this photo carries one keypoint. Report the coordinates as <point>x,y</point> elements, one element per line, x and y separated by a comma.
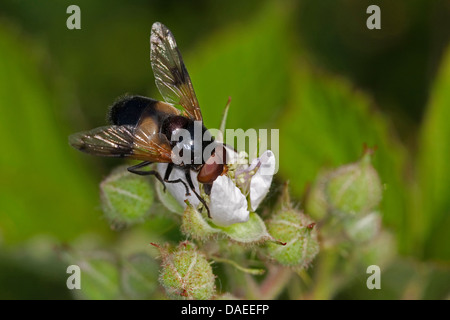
<point>142,128</point>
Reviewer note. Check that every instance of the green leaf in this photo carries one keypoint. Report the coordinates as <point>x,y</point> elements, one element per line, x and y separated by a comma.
<point>22,267</point>
<point>326,126</point>
<point>247,62</point>
<point>44,189</point>
<point>432,206</point>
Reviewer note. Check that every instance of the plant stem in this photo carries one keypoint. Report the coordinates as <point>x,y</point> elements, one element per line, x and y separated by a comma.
<point>276,280</point>
<point>324,283</point>
<point>239,267</point>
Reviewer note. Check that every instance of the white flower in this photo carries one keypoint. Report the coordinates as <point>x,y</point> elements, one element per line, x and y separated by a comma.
<point>178,190</point>
<point>261,181</point>
<point>228,203</point>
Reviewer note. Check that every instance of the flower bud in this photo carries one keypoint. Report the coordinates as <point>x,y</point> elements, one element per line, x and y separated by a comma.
<point>354,189</point>
<point>226,296</point>
<point>139,276</point>
<point>299,233</point>
<point>126,198</point>
<point>316,201</point>
<point>99,275</point>
<point>363,229</point>
<point>195,226</point>
<point>380,251</point>
<point>186,274</point>
<point>253,231</point>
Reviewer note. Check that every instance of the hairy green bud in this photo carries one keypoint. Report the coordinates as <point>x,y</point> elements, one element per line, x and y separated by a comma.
<point>126,198</point>
<point>226,296</point>
<point>99,274</point>
<point>139,275</point>
<point>316,201</point>
<point>380,251</point>
<point>298,232</point>
<point>195,226</point>
<point>363,229</point>
<point>186,274</point>
<point>354,189</point>
<point>350,191</point>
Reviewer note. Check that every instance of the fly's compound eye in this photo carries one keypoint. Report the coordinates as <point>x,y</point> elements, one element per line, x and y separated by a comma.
<point>213,167</point>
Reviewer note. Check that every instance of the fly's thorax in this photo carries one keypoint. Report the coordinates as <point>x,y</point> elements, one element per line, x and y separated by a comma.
<point>172,126</point>
<point>188,139</point>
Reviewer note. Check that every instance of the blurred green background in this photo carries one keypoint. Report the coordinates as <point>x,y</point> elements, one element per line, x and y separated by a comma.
<point>309,68</point>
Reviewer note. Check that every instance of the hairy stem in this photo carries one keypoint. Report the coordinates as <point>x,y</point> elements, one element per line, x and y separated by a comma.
<point>275,282</point>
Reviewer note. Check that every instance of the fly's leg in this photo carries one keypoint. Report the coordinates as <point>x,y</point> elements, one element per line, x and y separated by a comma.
<point>167,175</point>
<point>134,169</point>
<point>189,180</point>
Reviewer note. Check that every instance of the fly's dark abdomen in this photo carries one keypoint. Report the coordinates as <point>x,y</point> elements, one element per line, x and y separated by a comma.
<point>142,113</point>
<point>128,110</point>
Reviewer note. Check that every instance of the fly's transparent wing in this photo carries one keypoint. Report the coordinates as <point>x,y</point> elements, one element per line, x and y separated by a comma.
<point>171,76</point>
<point>123,141</point>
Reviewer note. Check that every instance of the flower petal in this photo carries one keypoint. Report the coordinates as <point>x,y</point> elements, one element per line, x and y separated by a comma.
<point>233,157</point>
<point>178,190</point>
<point>261,181</point>
<point>228,205</point>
